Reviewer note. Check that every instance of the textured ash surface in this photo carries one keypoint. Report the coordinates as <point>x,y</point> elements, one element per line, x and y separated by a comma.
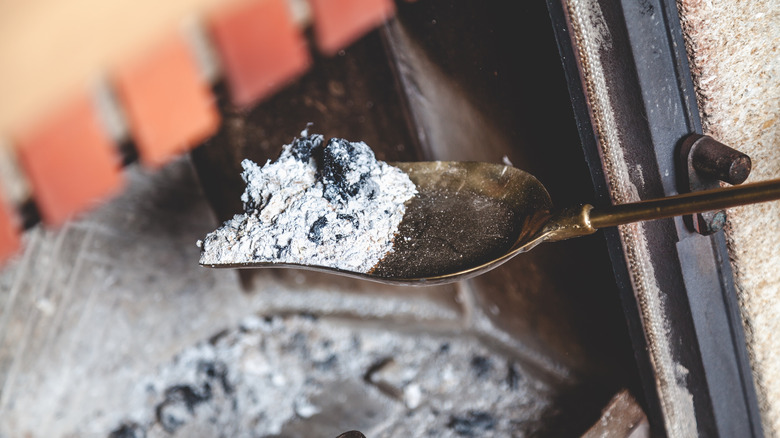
<point>271,375</point>
<point>734,48</point>
<point>332,205</point>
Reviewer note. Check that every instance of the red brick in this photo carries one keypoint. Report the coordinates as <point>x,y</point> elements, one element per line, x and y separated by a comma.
<point>10,242</point>
<point>338,23</point>
<point>168,104</point>
<point>260,48</point>
<point>70,161</point>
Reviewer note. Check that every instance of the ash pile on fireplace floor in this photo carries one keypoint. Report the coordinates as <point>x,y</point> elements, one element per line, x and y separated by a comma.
<point>305,376</point>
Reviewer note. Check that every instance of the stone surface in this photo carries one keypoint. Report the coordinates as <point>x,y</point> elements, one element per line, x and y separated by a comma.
<point>734,51</point>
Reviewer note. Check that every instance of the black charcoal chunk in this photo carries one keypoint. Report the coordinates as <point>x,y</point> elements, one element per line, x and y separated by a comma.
<point>179,405</point>
<point>214,370</point>
<point>473,423</point>
<point>315,232</point>
<point>370,188</point>
<point>128,430</point>
<point>481,366</point>
<point>281,249</point>
<point>303,148</point>
<point>350,218</point>
<point>513,376</point>
<point>340,158</point>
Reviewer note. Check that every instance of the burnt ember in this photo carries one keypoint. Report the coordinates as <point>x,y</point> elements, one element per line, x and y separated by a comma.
<point>481,366</point>
<point>315,232</point>
<point>128,430</point>
<point>473,423</point>
<point>513,376</point>
<point>179,405</point>
<point>305,147</point>
<point>344,170</point>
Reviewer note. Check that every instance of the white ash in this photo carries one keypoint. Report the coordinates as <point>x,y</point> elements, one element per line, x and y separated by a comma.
<point>334,206</point>
<point>300,375</point>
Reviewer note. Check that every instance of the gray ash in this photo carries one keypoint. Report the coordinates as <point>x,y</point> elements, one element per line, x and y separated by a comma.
<point>333,206</point>
<point>345,168</point>
<point>315,232</point>
<point>473,423</point>
<point>305,147</point>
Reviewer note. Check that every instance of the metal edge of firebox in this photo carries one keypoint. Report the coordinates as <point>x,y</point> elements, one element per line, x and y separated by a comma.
<point>657,46</point>
<point>650,402</point>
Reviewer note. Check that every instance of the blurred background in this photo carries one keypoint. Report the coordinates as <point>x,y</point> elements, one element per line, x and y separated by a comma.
<point>123,127</point>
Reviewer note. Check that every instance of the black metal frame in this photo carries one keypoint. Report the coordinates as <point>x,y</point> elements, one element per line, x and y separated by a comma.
<point>705,324</point>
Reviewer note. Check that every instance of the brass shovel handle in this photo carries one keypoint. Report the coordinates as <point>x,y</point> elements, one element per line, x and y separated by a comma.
<point>688,203</point>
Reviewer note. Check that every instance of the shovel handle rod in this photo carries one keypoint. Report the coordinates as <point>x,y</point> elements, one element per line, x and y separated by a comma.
<point>688,203</point>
